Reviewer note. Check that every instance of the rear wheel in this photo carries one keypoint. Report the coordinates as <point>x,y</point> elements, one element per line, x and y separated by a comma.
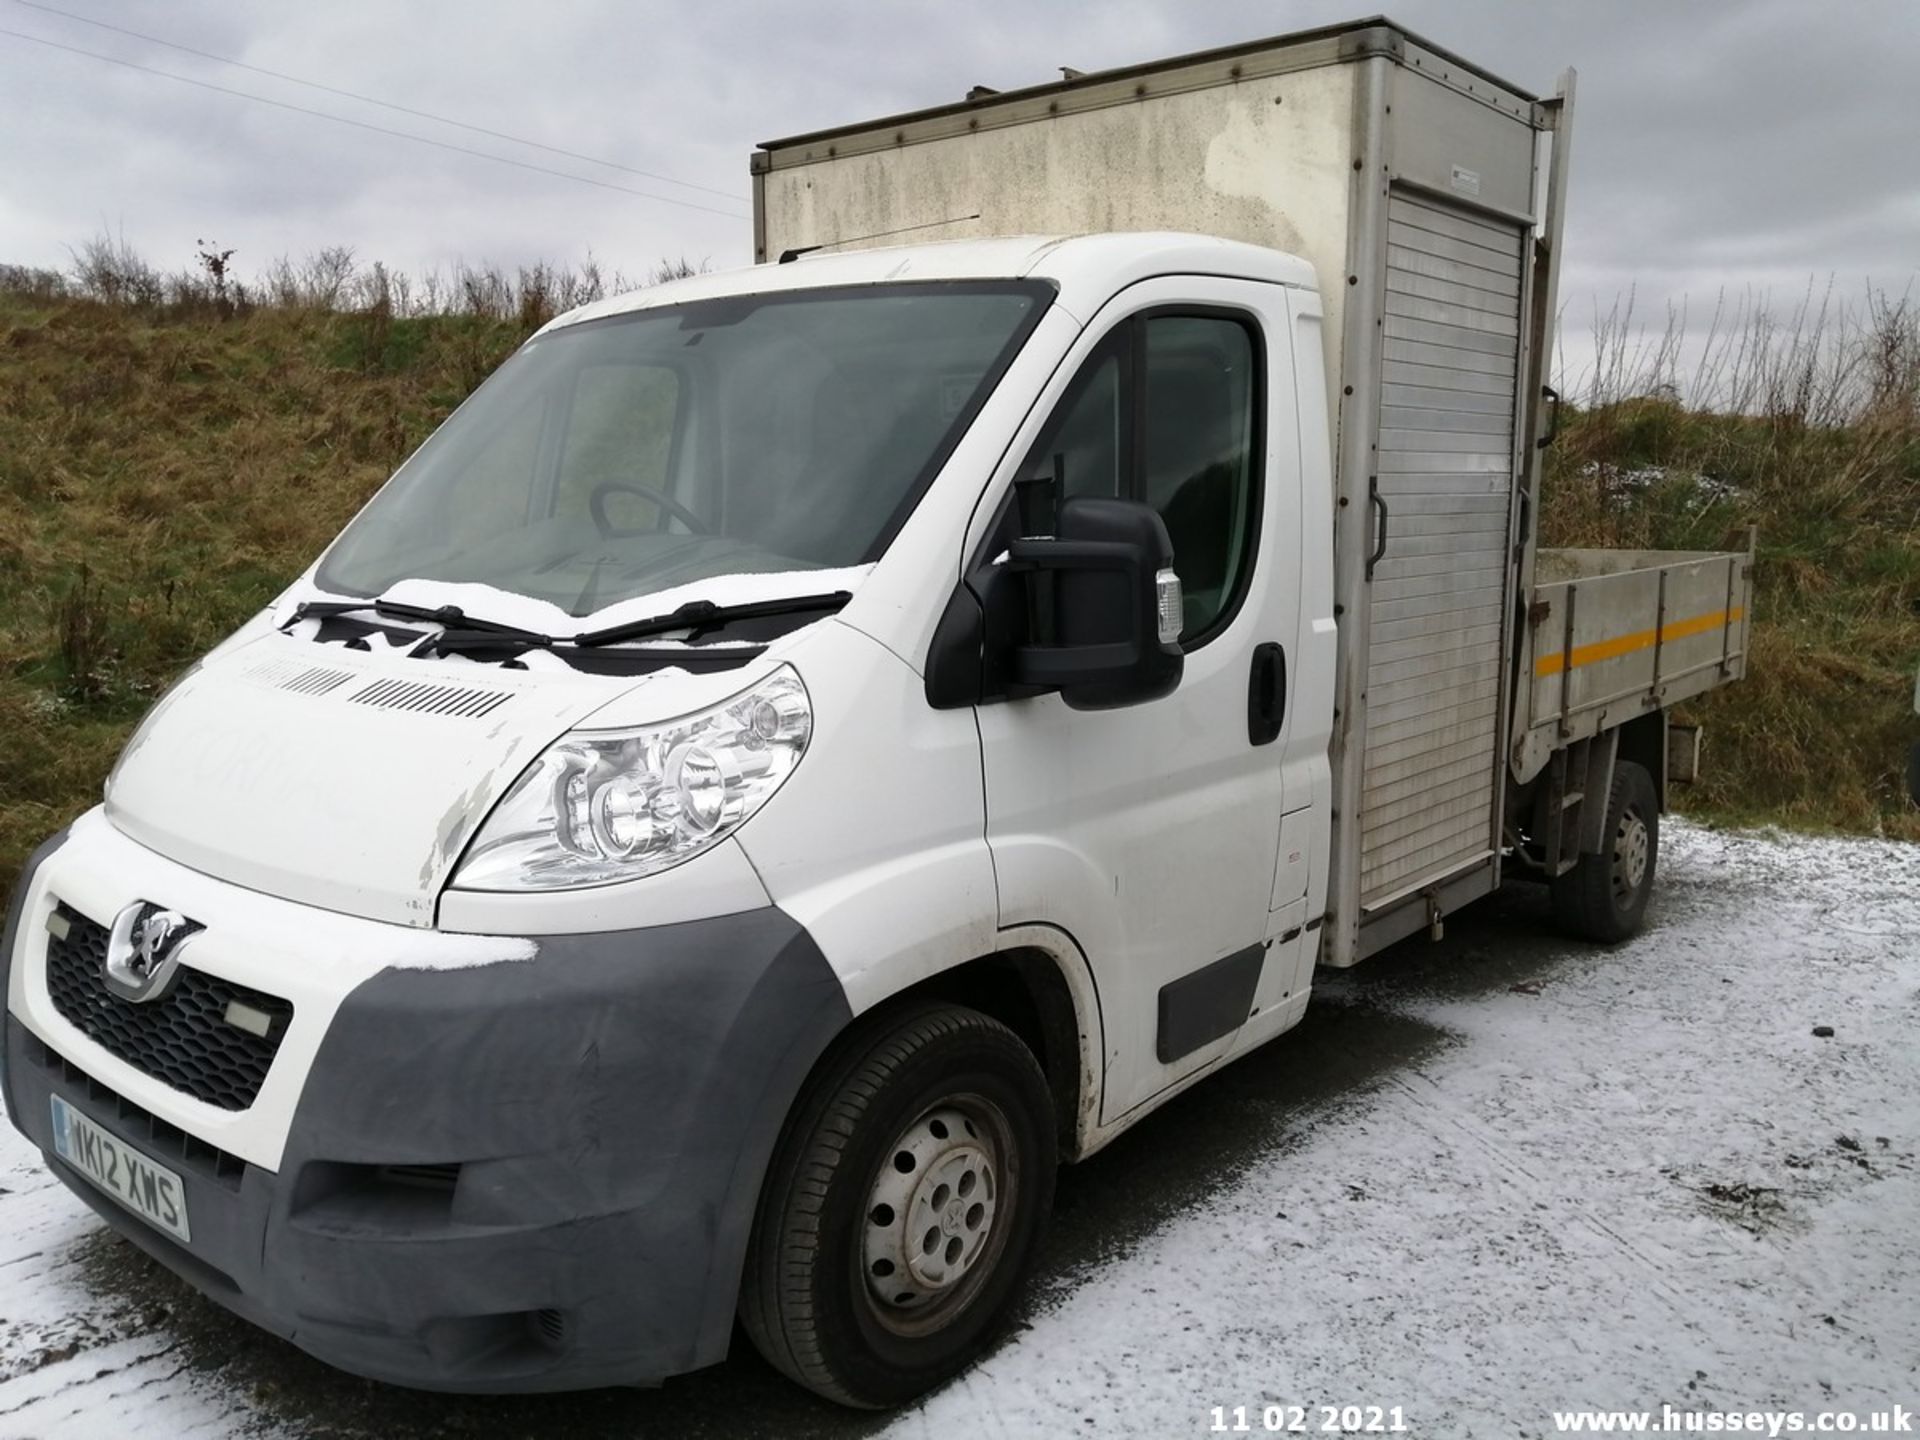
<point>903,1208</point>
<point>1604,897</point>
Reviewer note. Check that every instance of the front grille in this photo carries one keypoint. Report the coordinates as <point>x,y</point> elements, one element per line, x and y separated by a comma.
<point>182,1039</point>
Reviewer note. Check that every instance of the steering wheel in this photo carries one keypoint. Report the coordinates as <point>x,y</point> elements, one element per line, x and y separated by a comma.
<point>597,507</point>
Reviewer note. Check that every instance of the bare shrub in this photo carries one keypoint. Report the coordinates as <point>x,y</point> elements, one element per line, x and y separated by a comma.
<point>82,623</point>
<point>332,280</point>
<point>535,301</point>
<point>318,282</point>
<point>1820,361</point>
<point>665,270</point>
<point>107,268</point>
<point>372,289</point>
<point>32,282</point>
<point>325,274</point>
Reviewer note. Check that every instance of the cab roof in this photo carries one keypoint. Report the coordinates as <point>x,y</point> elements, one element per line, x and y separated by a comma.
<point>1086,270</point>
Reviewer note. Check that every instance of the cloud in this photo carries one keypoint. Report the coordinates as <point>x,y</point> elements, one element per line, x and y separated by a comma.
<point>1718,146</point>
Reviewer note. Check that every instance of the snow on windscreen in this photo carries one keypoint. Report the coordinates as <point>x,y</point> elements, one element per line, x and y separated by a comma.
<point>505,607</point>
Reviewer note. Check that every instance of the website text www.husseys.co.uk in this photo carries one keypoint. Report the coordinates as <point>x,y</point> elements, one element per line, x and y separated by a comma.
<point>1669,1421</point>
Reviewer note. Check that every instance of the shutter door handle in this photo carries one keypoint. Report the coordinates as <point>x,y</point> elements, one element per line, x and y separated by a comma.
<point>1379,526</point>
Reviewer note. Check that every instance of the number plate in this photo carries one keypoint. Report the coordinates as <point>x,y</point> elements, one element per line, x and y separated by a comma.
<point>150,1190</point>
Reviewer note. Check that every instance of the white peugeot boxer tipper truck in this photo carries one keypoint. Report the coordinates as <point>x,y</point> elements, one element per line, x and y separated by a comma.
<point>802,752</point>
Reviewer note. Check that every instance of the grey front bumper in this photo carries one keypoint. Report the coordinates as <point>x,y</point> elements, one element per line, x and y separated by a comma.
<point>534,1175</point>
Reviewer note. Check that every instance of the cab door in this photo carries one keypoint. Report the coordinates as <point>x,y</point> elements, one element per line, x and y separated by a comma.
<point>1150,833</point>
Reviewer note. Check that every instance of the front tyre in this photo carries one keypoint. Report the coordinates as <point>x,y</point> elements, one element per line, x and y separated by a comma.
<point>903,1208</point>
<point>1604,897</point>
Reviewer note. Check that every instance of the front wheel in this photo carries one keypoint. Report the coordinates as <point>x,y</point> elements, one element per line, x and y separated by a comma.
<point>1604,897</point>
<point>903,1208</point>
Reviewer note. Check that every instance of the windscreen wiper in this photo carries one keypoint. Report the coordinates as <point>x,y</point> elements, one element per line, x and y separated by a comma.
<point>448,617</point>
<point>466,634</point>
<point>698,615</point>
<point>693,617</point>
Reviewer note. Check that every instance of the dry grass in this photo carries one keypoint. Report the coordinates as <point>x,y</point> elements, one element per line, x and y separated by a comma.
<point>173,451</point>
<point>1806,424</point>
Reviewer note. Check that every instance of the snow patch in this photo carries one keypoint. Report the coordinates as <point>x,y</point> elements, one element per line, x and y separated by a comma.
<point>1630,1176</point>
<point>460,952</point>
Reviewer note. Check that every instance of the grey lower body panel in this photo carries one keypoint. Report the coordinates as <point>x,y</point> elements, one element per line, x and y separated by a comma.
<point>528,1176</point>
<point>1201,1006</point>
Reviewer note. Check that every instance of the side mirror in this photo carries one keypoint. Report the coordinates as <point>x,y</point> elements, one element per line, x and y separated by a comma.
<point>1104,608</point>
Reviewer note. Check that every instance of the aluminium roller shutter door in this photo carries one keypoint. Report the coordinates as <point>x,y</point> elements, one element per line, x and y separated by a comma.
<point>1438,602</point>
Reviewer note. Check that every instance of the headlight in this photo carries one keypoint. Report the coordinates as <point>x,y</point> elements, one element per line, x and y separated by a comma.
<point>607,805</point>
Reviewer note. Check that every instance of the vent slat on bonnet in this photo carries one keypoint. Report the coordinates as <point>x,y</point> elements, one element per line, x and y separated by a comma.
<point>300,679</point>
<point>428,697</point>
<point>418,697</point>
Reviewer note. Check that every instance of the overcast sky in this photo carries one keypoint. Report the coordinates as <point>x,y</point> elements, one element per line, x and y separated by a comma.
<point>1753,143</point>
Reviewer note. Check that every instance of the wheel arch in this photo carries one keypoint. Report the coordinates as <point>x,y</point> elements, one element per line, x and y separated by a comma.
<point>1037,985</point>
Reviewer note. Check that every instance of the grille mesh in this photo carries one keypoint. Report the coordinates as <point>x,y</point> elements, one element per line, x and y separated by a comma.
<point>182,1039</point>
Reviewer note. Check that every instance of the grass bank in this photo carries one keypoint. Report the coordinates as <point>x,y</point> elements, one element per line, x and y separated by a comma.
<point>162,475</point>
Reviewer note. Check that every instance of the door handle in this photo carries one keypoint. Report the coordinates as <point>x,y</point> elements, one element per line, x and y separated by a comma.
<point>1379,503</point>
<point>1552,397</point>
<point>1267,694</point>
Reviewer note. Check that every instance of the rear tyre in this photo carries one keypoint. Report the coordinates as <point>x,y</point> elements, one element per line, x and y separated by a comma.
<point>1604,897</point>
<point>903,1208</point>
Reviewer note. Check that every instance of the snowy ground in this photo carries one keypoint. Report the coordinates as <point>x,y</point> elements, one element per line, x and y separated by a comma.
<point>1486,1180</point>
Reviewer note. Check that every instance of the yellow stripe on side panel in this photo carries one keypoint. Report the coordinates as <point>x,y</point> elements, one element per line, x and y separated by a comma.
<point>1639,640</point>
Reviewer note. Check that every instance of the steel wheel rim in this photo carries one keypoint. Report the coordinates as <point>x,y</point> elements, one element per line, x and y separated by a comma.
<point>1632,853</point>
<point>932,1231</point>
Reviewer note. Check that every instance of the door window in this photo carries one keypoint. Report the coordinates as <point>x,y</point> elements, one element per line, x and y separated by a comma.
<point>1167,411</point>
<point>1196,460</point>
<point>1088,439</point>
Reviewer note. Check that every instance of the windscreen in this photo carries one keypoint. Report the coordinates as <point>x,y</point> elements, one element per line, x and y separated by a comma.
<point>751,434</point>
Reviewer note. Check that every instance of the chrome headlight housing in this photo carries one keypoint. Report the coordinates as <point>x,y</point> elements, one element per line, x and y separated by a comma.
<point>602,806</point>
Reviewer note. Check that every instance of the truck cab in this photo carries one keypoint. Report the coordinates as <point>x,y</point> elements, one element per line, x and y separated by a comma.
<point>458,943</point>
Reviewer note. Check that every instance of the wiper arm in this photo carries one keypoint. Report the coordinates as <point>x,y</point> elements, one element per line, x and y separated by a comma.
<point>448,617</point>
<point>698,615</point>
